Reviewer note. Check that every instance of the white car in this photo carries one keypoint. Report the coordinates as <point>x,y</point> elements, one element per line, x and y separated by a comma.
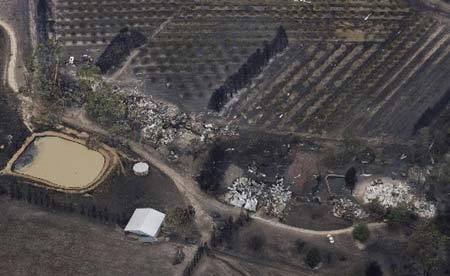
<point>330,239</point>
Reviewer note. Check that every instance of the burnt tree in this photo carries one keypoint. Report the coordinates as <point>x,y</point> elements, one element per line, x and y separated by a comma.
<point>250,69</point>
<point>119,49</point>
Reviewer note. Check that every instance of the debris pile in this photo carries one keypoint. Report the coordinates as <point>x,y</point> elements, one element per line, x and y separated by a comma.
<point>391,193</point>
<point>160,124</point>
<point>347,209</point>
<point>251,195</point>
<point>277,198</point>
<point>244,193</point>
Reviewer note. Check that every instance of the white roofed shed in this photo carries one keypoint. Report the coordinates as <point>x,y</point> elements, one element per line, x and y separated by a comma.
<point>145,222</point>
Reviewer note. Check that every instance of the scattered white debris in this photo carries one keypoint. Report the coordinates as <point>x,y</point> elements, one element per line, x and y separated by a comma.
<point>367,17</point>
<point>251,195</point>
<point>71,60</point>
<point>251,204</point>
<point>10,139</point>
<point>390,193</point>
<point>263,175</point>
<point>244,192</point>
<point>161,123</point>
<point>277,199</point>
<point>403,156</point>
<point>347,209</point>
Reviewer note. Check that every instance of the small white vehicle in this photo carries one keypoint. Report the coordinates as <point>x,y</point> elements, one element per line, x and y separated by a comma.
<point>330,239</point>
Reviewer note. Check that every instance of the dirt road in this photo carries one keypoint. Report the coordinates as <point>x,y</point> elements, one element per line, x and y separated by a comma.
<point>10,75</point>
<point>203,203</point>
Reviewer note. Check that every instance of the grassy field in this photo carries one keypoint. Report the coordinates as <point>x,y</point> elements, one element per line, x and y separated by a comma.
<point>39,242</point>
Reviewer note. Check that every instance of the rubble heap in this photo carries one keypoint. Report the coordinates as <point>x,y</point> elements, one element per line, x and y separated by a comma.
<point>277,198</point>
<point>391,193</point>
<point>160,124</point>
<point>347,209</point>
<point>251,195</point>
<point>244,193</point>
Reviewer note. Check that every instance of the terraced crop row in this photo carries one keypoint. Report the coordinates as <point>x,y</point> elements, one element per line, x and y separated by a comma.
<point>195,45</point>
<point>365,87</point>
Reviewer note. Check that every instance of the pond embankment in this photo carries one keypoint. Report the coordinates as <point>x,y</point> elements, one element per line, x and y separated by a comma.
<point>62,162</point>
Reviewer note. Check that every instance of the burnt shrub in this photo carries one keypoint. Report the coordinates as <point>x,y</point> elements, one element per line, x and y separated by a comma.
<point>374,269</point>
<point>212,172</point>
<point>351,178</point>
<point>299,245</point>
<point>313,258</point>
<point>250,69</point>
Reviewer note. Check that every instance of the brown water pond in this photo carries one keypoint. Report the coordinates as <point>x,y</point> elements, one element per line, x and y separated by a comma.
<point>65,163</point>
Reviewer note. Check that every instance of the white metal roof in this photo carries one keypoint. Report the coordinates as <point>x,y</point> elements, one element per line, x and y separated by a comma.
<point>145,221</point>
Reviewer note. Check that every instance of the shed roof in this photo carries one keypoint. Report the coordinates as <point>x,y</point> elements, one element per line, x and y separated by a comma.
<point>146,221</point>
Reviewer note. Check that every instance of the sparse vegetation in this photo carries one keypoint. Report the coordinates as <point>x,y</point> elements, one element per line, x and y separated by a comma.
<point>428,247</point>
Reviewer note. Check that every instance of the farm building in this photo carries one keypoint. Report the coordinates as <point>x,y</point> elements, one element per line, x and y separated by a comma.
<point>145,222</point>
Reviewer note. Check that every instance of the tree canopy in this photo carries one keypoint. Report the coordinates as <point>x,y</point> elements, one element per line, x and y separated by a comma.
<point>351,178</point>
<point>251,68</point>
<point>106,106</point>
<point>361,232</point>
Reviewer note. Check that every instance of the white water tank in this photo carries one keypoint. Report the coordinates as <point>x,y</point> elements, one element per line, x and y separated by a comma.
<point>141,169</point>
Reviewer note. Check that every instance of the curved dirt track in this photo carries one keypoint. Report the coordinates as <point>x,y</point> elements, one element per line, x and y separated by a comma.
<point>10,75</point>
<point>348,230</point>
<point>190,189</point>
